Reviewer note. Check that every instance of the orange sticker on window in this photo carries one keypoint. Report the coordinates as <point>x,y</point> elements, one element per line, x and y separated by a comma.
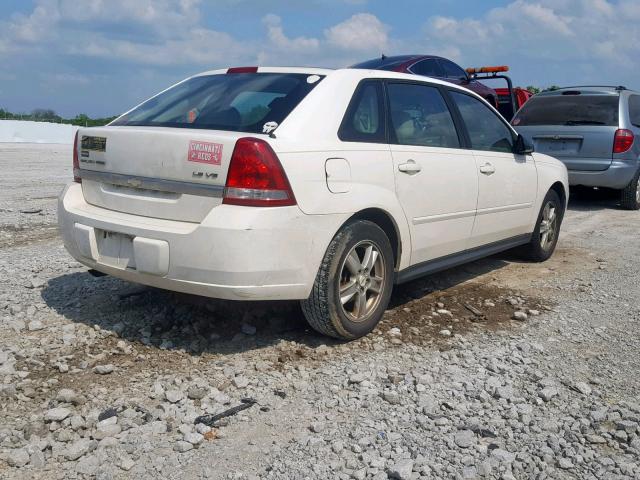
<point>205,152</point>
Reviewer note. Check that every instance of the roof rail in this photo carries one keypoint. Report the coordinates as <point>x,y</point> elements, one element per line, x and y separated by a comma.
<point>616,87</point>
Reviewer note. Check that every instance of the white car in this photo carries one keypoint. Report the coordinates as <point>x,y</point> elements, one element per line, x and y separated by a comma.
<point>326,186</point>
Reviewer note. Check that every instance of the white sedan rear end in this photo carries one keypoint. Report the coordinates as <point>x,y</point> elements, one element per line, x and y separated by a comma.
<point>318,185</point>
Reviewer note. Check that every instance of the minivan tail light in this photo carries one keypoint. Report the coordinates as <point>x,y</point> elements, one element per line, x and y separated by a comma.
<point>256,177</point>
<point>622,140</point>
<point>76,163</point>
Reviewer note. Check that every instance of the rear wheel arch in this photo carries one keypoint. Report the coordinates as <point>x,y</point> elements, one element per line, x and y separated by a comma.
<point>386,222</point>
<point>352,288</point>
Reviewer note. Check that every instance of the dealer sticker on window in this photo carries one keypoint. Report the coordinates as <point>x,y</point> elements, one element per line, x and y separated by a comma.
<point>205,152</point>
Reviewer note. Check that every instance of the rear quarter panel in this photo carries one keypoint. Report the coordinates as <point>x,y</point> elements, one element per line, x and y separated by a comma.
<point>372,184</point>
<point>633,154</point>
<point>309,137</point>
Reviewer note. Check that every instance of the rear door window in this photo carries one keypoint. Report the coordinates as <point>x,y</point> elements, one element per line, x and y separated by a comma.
<point>451,70</point>
<point>242,102</point>
<point>420,116</point>
<point>569,110</point>
<point>428,68</point>
<point>364,120</point>
<point>486,130</point>
<point>384,63</point>
<point>634,110</point>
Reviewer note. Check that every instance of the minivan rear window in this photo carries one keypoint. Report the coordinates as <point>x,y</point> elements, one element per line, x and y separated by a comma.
<point>569,110</point>
<point>240,102</point>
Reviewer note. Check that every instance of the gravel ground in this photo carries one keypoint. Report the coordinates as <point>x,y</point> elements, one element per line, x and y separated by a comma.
<point>32,177</point>
<point>495,370</point>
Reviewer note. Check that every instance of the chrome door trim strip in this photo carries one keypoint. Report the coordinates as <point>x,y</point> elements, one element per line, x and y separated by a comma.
<point>505,208</point>
<point>442,217</point>
<point>146,183</point>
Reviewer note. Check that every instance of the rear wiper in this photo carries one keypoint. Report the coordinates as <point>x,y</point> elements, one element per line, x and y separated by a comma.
<point>583,122</point>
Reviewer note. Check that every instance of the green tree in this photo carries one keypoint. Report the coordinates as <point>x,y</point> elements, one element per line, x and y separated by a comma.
<point>81,120</point>
<point>45,115</point>
<point>48,115</point>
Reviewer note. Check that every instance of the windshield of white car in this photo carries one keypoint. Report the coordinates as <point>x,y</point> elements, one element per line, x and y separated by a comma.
<point>241,102</point>
<point>569,110</point>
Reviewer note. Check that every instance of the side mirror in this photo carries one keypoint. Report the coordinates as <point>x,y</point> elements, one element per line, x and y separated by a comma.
<point>522,147</point>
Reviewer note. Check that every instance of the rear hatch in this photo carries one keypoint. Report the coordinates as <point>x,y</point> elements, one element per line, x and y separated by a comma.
<point>170,173</point>
<point>576,128</point>
<point>168,158</point>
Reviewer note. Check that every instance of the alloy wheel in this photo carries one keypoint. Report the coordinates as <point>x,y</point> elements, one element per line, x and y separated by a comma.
<point>548,225</point>
<point>361,280</point>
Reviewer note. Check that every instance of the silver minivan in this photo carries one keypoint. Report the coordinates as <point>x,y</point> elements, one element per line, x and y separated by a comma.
<point>594,131</point>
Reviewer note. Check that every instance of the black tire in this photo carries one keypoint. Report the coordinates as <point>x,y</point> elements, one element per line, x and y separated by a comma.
<point>323,309</point>
<point>538,250</point>
<point>630,195</point>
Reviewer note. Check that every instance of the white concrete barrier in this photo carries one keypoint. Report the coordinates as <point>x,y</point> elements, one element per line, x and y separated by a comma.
<point>21,131</point>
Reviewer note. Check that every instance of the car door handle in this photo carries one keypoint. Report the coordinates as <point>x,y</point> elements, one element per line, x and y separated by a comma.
<point>411,167</point>
<point>487,169</point>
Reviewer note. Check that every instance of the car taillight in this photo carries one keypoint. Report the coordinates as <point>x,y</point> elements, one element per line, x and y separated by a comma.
<point>76,163</point>
<point>256,177</point>
<point>622,141</point>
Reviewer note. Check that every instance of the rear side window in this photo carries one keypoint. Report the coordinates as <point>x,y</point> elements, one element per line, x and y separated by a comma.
<point>486,130</point>
<point>428,68</point>
<point>634,110</point>
<point>420,116</point>
<point>569,110</point>
<point>451,70</point>
<point>364,120</point>
<point>242,102</point>
<point>389,66</point>
<point>385,63</point>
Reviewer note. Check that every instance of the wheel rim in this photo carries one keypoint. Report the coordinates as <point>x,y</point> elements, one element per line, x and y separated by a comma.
<point>361,283</point>
<point>548,225</point>
<point>638,191</point>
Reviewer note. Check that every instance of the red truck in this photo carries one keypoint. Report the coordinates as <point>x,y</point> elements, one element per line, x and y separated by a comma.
<point>510,99</point>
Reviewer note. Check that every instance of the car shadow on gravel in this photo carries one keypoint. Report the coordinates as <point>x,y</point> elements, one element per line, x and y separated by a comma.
<point>168,321</point>
<point>583,199</point>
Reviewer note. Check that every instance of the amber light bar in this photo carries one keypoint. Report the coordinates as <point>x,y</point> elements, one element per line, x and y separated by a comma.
<point>501,68</point>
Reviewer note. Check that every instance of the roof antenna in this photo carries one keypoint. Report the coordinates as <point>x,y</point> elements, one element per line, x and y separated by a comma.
<point>383,57</point>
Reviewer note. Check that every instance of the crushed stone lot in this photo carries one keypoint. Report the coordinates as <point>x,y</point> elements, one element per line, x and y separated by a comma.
<point>499,369</point>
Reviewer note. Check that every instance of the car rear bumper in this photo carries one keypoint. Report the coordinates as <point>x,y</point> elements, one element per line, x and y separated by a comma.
<point>236,253</point>
<point>618,175</point>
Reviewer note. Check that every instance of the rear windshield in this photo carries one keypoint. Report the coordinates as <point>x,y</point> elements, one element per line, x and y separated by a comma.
<point>239,102</point>
<point>569,110</point>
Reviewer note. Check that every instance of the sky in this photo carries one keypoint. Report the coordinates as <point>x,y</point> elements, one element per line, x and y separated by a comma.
<point>101,57</point>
